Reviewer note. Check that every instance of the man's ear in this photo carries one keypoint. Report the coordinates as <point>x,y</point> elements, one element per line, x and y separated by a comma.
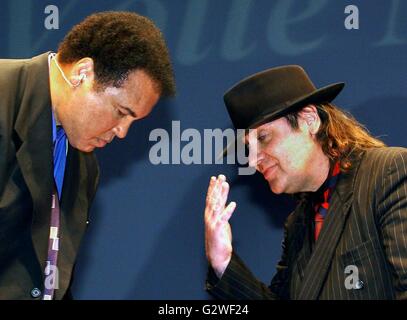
<point>82,70</point>
<point>309,115</point>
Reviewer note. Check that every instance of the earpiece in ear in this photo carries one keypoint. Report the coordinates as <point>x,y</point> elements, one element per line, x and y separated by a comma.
<point>80,78</point>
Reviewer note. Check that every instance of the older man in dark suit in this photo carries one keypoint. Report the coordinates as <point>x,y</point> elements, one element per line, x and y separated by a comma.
<point>347,238</point>
<point>55,109</point>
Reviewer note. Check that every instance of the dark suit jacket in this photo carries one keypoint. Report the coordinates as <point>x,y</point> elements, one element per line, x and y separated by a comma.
<point>366,227</point>
<point>26,180</point>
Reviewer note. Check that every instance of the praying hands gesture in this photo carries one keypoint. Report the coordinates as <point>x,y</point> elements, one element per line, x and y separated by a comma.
<point>218,234</point>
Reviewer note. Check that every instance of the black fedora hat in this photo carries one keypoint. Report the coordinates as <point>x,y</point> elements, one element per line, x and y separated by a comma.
<point>273,93</point>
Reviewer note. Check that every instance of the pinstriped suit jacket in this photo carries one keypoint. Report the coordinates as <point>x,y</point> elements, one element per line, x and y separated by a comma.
<point>366,227</point>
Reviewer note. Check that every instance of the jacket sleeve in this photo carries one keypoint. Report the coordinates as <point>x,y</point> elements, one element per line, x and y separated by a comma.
<point>392,208</point>
<point>238,282</point>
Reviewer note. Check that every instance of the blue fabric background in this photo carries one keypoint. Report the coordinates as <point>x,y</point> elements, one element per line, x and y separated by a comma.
<point>146,237</point>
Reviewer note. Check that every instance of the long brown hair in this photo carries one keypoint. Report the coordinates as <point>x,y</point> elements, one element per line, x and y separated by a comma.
<point>340,134</point>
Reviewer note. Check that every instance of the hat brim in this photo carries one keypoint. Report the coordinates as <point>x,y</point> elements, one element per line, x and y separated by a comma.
<point>324,94</point>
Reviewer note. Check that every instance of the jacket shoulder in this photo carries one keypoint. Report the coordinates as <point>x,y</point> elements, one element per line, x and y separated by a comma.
<point>385,152</point>
<point>14,74</point>
<point>383,159</point>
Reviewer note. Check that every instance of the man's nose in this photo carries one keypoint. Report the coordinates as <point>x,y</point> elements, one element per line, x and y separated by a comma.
<point>122,128</point>
<point>255,157</point>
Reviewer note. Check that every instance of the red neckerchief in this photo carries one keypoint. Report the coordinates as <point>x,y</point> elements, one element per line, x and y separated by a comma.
<point>321,208</point>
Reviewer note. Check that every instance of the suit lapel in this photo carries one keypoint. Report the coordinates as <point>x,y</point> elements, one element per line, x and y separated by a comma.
<point>34,127</point>
<point>302,249</point>
<point>79,187</point>
<point>319,263</point>
<point>74,208</point>
<point>304,253</point>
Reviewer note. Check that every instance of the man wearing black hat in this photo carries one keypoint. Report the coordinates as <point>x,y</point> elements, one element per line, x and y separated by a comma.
<point>347,237</point>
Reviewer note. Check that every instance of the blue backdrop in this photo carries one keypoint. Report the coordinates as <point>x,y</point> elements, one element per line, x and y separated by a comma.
<point>146,239</point>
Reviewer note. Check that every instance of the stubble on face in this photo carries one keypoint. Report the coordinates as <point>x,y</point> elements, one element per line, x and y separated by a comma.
<point>289,159</point>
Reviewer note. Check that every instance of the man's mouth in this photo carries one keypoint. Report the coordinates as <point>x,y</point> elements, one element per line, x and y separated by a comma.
<point>100,143</point>
<point>269,171</point>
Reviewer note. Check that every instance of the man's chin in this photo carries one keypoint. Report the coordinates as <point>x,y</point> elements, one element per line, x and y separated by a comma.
<point>87,148</point>
<point>276,191</point>
<point>83,145</point>
<point>275,188</point>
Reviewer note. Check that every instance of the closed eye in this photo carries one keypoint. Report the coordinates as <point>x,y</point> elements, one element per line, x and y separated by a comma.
<point>129,111</point>
<point>261,137</point>
<point>120,113</point>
